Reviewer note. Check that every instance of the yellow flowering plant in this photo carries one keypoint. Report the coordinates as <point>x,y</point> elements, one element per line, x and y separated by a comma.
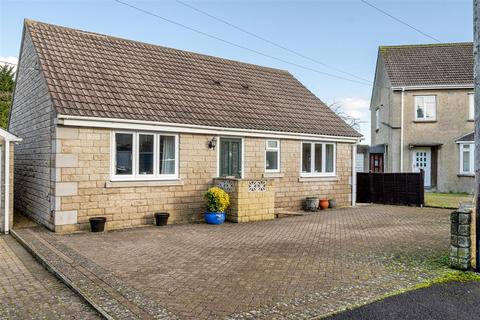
<point>217,200</point>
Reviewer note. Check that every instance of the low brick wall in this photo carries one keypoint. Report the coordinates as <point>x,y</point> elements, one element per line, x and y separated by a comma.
<point>460,239</point>
<point>250,200</point>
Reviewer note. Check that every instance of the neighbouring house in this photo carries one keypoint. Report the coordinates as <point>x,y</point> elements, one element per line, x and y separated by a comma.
<point>123,129</point>
<point>422,114</point>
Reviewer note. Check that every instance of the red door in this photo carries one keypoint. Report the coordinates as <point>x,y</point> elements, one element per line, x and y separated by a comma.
<point>376,162</point>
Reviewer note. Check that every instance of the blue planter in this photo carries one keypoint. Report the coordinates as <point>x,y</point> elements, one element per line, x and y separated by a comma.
<point>214,217</point>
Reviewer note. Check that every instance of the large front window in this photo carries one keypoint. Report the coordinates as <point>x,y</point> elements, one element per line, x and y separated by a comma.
<point>318,159</point>
<point>425,108</point>
<point>144,156</point>
<point>467,158</point>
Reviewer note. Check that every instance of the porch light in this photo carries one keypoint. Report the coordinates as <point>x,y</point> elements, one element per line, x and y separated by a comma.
<point>212,143</point>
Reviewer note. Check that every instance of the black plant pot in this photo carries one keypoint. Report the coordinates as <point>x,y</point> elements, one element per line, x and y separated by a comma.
<point>161,218</point>
<point>97,224</point>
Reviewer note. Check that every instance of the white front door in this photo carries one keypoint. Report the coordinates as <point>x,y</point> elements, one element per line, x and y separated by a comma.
<point>422,160</point>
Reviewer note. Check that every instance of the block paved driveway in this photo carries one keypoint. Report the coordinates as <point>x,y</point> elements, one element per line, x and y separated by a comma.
<point>296,268</point>
<point>28,291</point>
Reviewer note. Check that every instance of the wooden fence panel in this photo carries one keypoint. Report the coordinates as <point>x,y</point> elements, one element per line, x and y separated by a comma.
<point>391,188</point>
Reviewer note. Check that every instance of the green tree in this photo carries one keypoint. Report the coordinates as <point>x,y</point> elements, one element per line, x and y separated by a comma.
<point>7,83</point>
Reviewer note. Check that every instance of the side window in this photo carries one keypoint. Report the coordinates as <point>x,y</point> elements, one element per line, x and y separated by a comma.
<point>471,106</point>
<point>272,156</point>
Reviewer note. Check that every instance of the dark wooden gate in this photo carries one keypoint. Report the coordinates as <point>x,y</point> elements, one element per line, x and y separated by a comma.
<point>391,188</point>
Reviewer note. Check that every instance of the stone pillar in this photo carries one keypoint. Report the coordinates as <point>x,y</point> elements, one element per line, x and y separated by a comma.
<point>460,239</point>
<point>250,200</point>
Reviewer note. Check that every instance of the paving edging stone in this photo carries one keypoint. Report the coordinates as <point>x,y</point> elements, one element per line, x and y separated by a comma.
<point>60,276</point>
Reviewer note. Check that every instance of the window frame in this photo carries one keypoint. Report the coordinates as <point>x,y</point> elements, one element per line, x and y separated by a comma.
<point>135,176</point>
<point>424,119</point>
<point>471,106</point>
<point>471,147</point>
<point>323,173</point>
<point>377,119</point>
<point>269,149</point>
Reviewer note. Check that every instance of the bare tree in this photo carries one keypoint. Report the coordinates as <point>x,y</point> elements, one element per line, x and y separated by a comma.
<point>351,121</point>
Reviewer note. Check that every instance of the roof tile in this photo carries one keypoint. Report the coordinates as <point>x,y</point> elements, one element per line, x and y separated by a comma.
<point>93,75</point>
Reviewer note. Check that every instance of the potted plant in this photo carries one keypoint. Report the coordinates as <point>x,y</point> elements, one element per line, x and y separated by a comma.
<point>97,224</point>
<point>161,218</point>
<point>217,202</point>
<point>323,204</point>
<point>332,203</point>
<point>311,204</point>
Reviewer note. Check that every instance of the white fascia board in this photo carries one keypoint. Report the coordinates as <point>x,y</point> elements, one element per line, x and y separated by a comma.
<point>432,87</point>
<point>465,142</point>
<point>94,122</point>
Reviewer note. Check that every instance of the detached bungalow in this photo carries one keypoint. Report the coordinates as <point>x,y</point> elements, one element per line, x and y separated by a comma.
<point>124,129</point>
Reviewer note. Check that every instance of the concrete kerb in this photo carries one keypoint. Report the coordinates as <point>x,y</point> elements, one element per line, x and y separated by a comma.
<point>60,276</point>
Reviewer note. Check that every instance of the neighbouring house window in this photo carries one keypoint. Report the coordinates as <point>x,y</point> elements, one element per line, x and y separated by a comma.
<point>272,156</point>
<point>471,106</point>
<point>144,156</point>
<point>425,108</point>
<point>467,158</point>
<point>377,119</point>
<point>318,159</point>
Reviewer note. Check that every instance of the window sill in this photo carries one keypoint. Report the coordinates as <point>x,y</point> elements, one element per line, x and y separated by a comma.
<point>153,183</point>
<point>273,175</point>
<point>470,120</point>
<point>466,175</point>
<point>424,121</point>
<point>318,179</point>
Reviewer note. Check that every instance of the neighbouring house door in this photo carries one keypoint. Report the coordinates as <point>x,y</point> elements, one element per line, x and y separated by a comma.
<point>376,162</point>
<point>230,157</point>
<point>422,160</point>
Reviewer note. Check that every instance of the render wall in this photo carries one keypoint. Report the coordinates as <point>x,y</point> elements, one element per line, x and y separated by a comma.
<point>84,190</point>
<point>452,122</point>
<point>31,119</point>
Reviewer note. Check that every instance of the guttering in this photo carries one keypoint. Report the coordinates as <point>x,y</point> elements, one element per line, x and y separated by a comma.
<point>6,203</point>
<point>111,123</point>
<point>402,107</point>
<point>435,86</point>
<point>354,175</point>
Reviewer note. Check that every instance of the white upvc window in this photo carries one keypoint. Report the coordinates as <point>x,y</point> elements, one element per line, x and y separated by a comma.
<point>471,106</point>
<point>272,156</point>
<point>425,108</point>
<point>143,156</point>
<point>377,119</point>
<point>467,158</point>
<point>318,159</point>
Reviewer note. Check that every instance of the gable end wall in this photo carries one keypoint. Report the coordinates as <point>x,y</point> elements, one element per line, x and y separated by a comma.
<point>31,119</point>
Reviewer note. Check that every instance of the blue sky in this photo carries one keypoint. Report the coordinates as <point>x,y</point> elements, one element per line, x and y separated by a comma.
<point>344,34</point>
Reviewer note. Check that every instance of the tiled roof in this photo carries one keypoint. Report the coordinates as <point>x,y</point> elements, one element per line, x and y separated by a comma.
<point>95,75</point>
<point>468,137</point>
<point>429,64</point>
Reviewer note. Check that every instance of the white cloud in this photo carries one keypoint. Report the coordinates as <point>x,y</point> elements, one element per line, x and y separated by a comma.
<point>10,61</point>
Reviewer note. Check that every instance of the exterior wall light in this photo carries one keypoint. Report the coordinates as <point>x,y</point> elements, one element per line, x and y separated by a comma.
<point>212,143</point>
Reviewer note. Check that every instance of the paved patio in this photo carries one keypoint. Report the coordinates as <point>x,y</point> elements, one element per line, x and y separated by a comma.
<point>299,267</point>
<point>28,291</point>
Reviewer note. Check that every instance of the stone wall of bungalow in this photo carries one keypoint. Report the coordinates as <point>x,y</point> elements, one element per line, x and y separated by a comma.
<point>84,189</point>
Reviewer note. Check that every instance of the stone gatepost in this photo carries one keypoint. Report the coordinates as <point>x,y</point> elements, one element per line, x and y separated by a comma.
<point>460,239</point>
